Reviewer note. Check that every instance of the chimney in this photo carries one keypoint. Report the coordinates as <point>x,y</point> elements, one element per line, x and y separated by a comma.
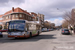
<point>12,9</point>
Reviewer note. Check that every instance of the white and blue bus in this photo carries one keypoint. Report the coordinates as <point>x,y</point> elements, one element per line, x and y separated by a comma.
<point>23,28</point>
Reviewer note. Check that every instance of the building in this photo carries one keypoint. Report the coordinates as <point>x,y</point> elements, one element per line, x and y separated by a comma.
<point>20,14</point>
<point>35,16</point>
<point>15,14</point>
<point>1,19</point>
<point>41,19</point>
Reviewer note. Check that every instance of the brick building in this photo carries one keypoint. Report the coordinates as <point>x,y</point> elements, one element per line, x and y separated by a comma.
<point>35,16</point>
<point>20,14</point>
<point>16,14</point>
<point>1,19</point>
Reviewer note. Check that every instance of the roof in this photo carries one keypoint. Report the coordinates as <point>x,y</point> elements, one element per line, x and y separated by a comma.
<point>0,20</point>
<point>17,10</point>
<point>1,16</point>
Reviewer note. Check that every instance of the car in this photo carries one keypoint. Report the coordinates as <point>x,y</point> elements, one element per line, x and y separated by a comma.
<point>4,30</point>
<point>51,29</point>
<point>1,35</point>
<point>48,29</point>
<point>44,29</point>
<point>57,28</point>
<point>65,31</point>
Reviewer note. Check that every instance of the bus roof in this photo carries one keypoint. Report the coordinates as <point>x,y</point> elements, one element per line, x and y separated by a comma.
<point>34,22</point>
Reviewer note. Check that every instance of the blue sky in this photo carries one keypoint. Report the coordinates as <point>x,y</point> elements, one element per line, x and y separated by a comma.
<point>60,18</point>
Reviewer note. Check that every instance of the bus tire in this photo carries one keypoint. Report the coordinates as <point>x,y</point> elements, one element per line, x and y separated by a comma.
<point>30,34</point>
<point>38,33</point>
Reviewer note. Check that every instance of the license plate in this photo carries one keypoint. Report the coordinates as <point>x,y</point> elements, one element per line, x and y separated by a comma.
<point>66,31</point>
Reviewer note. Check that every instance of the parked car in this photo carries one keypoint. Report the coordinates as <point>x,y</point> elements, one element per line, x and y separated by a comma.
<point>57,28</point>
<point>44,29</point>
<point>51,29</point>
<point>4,30</point>
<point>65,31</point>
<point>48,29</point>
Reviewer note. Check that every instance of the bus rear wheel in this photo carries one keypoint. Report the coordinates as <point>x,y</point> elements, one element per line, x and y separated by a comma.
<point>38,33</point>
<point>30,34</point>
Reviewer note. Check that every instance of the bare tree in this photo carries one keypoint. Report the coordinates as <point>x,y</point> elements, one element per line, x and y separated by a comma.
<point>68,17</point>
<point>65,24</point>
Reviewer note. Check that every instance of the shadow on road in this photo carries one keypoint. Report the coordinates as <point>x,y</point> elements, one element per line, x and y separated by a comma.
<point>35,38</point>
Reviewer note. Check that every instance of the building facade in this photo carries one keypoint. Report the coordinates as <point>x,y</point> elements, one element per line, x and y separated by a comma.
<point>16,14</point>
<point>35,16</point>
<point>41,19</point>
<point>20,14</point>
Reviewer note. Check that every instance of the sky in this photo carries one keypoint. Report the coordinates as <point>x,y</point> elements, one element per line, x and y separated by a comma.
<point>52,9</point>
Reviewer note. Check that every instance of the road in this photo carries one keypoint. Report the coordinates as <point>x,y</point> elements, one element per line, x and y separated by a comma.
<point>52,40</point>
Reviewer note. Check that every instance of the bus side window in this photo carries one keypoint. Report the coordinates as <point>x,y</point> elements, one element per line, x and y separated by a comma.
<point>26,29</point>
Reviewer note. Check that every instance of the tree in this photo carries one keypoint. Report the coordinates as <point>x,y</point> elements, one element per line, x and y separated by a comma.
<point>65,24</point>
<point>47,24</point>
<point>68,17</point>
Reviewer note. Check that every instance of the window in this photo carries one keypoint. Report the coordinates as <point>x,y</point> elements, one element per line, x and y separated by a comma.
<point>9,16</point>
<point>20,15</point>
<point>13,16</point>
<point>6,17</point>
<point>30,18</point>
<point>16,15</point>
<point>27,17</point>
<point>23,15</point>
<point>32,15</point>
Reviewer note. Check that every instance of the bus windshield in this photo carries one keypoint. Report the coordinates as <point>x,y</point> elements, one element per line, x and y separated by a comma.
<point>16,26</point>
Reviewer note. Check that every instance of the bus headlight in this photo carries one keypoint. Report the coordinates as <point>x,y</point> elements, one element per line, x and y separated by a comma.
<point>23,33</point>
<point>8,33</point>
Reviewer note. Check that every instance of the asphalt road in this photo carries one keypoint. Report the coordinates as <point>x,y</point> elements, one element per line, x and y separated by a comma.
<point>52,40</point>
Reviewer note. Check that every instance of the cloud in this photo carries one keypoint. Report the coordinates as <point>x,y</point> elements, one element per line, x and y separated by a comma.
<point>4,1</point>
<point>7,3</point>
<point>46,7</point>
<point>57,22</point>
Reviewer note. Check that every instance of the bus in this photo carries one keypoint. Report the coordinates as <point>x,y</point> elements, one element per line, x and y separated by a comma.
<point>23,28</point>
